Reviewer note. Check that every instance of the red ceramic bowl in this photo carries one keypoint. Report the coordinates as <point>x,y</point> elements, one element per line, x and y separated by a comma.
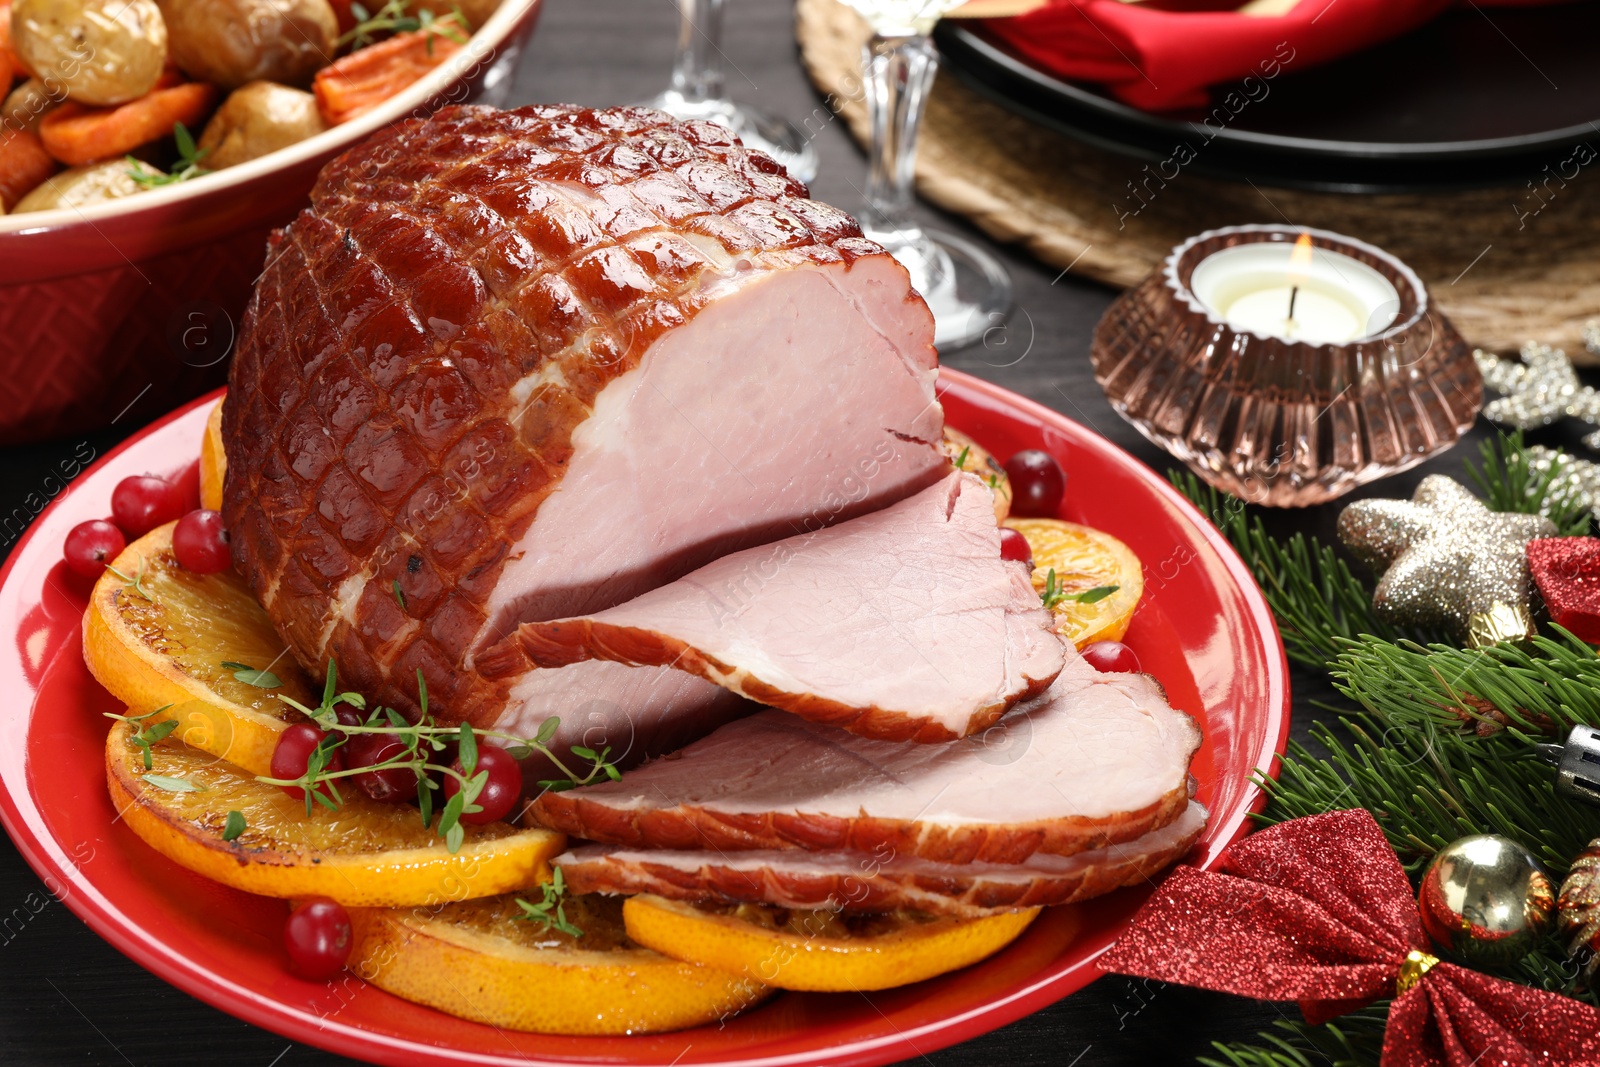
<point>132,306</point>
<point>1202,630</point>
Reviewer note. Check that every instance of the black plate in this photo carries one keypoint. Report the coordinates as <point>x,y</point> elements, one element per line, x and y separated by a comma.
<point>1479,96</point>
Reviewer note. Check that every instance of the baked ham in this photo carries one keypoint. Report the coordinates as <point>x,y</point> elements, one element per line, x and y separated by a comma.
<point>1099,759</point>
<point>904,624</point>
<point>512,366</point>
<point>882,881</point>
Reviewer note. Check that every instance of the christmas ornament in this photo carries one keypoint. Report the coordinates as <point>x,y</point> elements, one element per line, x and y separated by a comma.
<point>1577,764</point>
<point>1578,908</point>
<point>1567,573</point>
<point>1578,478</point>
<point>1539,390</point>
<point>1485,901</point>
<point>1319,910</point>
<point>1447,561</point>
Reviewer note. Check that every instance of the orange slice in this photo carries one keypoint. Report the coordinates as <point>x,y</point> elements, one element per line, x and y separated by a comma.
<point>476,960</point>
<point>1084,559</point>
<point>213,463</point>
<point>821,951</point>
<point>966,454</point>
<point>157,636</point>
<point>365,854</point>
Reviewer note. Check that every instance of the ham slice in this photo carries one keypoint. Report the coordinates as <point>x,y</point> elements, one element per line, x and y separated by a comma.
<point>511,366</point>
<point>904,624</point>
<point>882,881</point>
<point>1098,759</point>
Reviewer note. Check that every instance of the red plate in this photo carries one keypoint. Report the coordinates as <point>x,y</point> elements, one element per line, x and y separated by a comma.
<point>1203,630</point>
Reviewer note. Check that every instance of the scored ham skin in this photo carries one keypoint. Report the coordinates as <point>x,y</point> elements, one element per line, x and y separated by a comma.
<point>904,624</point>
<point>1098,759</point>
<point>883,881</point>
<point>512,365</point>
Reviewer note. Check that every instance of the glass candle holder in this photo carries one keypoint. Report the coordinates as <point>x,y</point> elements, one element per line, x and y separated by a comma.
<point>1275,420</point>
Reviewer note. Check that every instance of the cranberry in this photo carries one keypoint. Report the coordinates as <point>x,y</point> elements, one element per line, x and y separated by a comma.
<point>1111,657</point>
<point>200,542</point>
<point>1014,546</point>
<point>188,485</point>
<point>499,794</point>
<point>91,546</point>
<point>142,502</point>
<point>317,937</point>
<point>1037,484</point>
<point>392,785</point>
<point>292,755</point>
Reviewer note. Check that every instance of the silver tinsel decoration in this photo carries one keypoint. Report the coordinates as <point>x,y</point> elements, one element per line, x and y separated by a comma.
<point>1541,389</point>
<point>1579,478</point>
<point>1447,562</point>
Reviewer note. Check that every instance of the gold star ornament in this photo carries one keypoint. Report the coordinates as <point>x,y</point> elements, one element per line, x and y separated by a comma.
<point>1446,561</point>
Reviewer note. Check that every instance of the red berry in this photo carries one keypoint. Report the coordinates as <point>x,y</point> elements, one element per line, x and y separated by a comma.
<point>1014,546</point>
<point>499,794</point>
<point>91,546</point>
<point>1111,657</point>
<point>200,542</point>
<point>1037,484</point>
<point>317,938</point>
<point>393,785</point>
<point>188,485</point>
<point>142,502</point>
<point>292,755</point>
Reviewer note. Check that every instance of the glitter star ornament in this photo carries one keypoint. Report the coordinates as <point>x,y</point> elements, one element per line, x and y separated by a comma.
<point>1447,562</point>
<point>1577,478</point>
<point>1539,390</point>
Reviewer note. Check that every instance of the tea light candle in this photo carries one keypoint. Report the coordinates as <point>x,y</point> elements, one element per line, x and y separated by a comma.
<point>1296,292</point>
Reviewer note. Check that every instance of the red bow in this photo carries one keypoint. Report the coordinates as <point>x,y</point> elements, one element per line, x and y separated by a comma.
<point>1320,911</point>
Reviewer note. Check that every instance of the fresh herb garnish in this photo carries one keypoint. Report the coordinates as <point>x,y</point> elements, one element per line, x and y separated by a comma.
<point>188,164</point>
<point>234,826</point>
<point>1054,593</point>
<point>250,676</point>
<point>136,583</point>
<point>961,460</point>
<point>145,736</point>
<point>173,785</point>
<point>421,742</point>
<point>550,913</point>
<point>395,17</point>
<point>399,595</point>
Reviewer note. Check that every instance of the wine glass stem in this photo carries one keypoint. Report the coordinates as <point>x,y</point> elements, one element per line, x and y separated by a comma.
<point>900,72</point>
<point>697,71</point>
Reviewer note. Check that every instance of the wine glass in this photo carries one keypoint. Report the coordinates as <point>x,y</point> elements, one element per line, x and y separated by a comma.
<point>696,92</point>
<point>967,289</point>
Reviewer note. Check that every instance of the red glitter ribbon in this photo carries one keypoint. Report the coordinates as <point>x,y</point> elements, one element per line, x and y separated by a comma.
<point>1319,910</point>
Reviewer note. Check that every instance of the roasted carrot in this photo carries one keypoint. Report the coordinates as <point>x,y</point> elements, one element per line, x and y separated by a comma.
<point>24,164</point>
<point>366,78</point>
<point>77,134</point>
<point>9,67</point>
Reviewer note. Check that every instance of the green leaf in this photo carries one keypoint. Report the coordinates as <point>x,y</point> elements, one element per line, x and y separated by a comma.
<point>467,750</point>
<point>1095,595</point>
<point>250,676</point>
<point>582,753</point>
<point>152,734</point>
<point>399,595</point>
<point>961,460</point>
<point>425,788</point>
<point>234,826</point>
<point>547,730</point>
<point>180,133</point>
<point>173,785</point>
<point>422,693</point>
<point>455,836</point>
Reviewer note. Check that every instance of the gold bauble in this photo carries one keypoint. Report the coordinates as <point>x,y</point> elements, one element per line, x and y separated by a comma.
<point>1485,901</point>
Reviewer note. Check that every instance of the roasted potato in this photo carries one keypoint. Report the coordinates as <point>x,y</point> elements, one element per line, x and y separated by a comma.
<point>28,103</point>
<point>82,186</point>
<point>256,119</point>
<point>231,42</point>
<point>100,51</point>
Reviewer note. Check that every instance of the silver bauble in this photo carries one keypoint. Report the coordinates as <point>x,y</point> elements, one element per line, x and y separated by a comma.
<point>1485,901</point>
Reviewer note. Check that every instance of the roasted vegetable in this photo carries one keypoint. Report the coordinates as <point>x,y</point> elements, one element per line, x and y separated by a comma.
<point>24,164</point>
<point>27,104</point>
<point>256,119</point>
<point>82,186</point>
<point>75,134</point>
<point>231,42</point>
<point>103,52</point>
<point>362,80</point>
<point>10,66</point>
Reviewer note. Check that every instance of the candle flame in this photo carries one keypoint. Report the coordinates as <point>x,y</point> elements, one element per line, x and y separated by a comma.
<point>1300,259</point>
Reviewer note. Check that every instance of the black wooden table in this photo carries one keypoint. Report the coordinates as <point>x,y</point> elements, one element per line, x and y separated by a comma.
<point>66,997</point>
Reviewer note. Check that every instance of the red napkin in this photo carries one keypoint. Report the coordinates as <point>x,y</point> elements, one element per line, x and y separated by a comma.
<point>1160,60</point>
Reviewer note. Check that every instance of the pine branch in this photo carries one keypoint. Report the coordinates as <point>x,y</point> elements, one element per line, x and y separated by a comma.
<point>1354,1040</point>
<point>1508,482</point>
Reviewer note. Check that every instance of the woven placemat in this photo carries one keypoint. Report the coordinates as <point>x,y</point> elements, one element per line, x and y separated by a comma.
<point>1507,264</point>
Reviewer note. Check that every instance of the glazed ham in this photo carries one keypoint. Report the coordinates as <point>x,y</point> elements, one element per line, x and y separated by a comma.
<point>879,881</point>
<point>904,624</point>
<point>520,365</point>
<point>1099,759</point>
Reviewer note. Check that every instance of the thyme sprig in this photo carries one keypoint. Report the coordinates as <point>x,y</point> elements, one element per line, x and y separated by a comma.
<point>136,583</point>
<point>188,164</point>
<point>145,736</point>
<point>550,913</point>
<point>422,742</point>
<point>395,17</point>
<point>1055,592</point>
